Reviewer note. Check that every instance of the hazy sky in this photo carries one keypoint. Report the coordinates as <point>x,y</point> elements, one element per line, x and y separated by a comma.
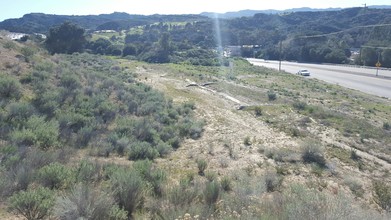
<point>17,8</point>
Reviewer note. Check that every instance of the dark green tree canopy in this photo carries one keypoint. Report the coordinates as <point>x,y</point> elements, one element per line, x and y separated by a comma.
<point>66,38</point>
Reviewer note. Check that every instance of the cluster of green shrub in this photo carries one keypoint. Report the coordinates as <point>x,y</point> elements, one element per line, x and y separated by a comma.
<point>77,99</point>
<point>82,101</point>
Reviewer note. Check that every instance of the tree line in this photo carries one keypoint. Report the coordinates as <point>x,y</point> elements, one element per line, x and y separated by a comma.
<point>327,37</point>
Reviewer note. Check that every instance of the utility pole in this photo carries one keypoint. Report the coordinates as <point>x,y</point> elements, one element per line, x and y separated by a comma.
<point>378,64</point>
<point>279,65</point>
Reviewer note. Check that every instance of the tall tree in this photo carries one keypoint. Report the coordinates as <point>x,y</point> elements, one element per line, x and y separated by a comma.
<point>66,38</point>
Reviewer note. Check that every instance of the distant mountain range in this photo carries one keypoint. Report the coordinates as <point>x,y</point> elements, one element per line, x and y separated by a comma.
<point>250,13</point>
<point>40,23</point>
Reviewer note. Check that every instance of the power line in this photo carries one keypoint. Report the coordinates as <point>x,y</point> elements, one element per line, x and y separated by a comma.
<point>338,32</point>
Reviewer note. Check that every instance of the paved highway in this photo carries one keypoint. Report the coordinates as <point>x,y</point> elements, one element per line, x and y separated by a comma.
<point>362,79</point>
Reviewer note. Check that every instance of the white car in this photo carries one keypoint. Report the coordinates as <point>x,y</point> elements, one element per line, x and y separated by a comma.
<point>303,72</point>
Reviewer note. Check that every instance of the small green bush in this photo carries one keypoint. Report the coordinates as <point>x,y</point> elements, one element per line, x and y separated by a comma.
<point>27,52</point>
<point>299,105</point>
<point>141,151</point>
<point>88,172</point>
<point>382,194</point>
<point>70,81</point>
<point>9,45</point>
<point>191,128</point>
<point>116,213</point>
<point>226,183</point>
<point>19,112</point>
<point>355,186</point>
<point>128,189</point>
<point>23,137</point>
<point>33,204</point>
<point>84,135</point>
<point>258,111</point>
<point>10,88</point>
<point>271,96</point>
<point>153,176</point>
<point>211,193</point>
<point>313,153</point>
<point>247,141</point>
<point>163,149</point>
<point>202,165</point>
<point>272,181</point>
<point>39,132</point>
<point>56,176</point>
<point>182,195</point>
<point>210,176</point>
<point>84,202</point>
<point>317,169</point>
<point>386,126</point>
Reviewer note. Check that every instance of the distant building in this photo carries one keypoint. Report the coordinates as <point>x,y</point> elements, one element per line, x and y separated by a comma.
<point>18,36</point>
<point>105,31</point>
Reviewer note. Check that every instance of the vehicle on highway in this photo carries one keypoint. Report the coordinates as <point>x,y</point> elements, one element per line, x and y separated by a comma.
<point>303,72</point>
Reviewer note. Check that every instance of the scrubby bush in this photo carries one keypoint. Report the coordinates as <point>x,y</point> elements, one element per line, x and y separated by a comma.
<point>19,112</point>
<point>33,204</point>
<point>355,186</point>
<point>47,102</point>
<point>38,132</point>
<point>272,181</point>
<point>10,88</point>
<point>211,193</point>
<point>84,135</point>
<point>70,123</point>
<point>210,176</point>
<point>302,203</point>
<point>313,152</point>
<point>299,105</point>
<point>226,183</point>
<point>27,52</point>
<point>163,149</point>
<point>182,195</point>
<point>70,81</point>
<point>271,95</point>
<point>142,150</point>
<point>202,165</point>
<point>84,202</point>
<point>258,111</point>
<point>247,141</point>
<point>16,175</point>
<point>128,189</point>
<point>153,176</point>
<point>382,194</point>
<point>189,127</point>
<point>88,172</point>
<point>56,176</point>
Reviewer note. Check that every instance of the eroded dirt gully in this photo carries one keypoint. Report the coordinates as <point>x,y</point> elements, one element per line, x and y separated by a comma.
<point>222,142</point>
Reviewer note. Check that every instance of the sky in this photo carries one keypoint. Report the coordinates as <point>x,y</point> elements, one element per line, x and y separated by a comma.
<point>17,8</point>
